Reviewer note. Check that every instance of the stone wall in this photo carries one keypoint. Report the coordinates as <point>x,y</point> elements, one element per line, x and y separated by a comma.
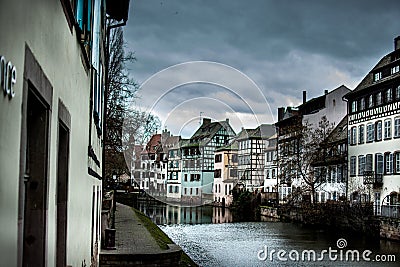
<point>170,257</point>
<point>342,216</point>
<point>389,228</point>
<point>269,212</point>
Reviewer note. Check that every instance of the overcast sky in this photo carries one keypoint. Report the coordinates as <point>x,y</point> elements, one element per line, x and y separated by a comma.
<point>283,46</point>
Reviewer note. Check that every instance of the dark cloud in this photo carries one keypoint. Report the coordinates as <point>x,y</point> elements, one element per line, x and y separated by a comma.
<point>285,46</point>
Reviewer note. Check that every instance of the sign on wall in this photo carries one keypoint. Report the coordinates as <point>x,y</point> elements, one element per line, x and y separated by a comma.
<point>8,77</point>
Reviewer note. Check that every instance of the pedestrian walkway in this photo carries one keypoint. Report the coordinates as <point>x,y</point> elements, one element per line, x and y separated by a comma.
<point>134,244</point>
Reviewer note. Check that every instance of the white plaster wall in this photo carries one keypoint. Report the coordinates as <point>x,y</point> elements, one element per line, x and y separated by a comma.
<point>391,182</point>
<point>42,25</point>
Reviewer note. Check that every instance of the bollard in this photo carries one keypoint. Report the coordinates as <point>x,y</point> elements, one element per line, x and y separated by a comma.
<point>109,239</point>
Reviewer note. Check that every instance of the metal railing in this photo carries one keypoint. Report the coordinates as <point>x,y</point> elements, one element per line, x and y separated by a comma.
<point>392,211</point>
<point>370,177</point>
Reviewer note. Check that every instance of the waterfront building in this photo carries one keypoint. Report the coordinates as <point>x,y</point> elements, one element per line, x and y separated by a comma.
<point>291,122</point>
<point>168,143</point>
<point>52,63</point>
<point>174,168</point>
<point>374,132</point>
<point>252,143</point>
<point>149,159</point>
<point>225,173</point>
<point>271,167</point>
<point>138,168</point>
<point>332,168</point>
<point>198,160</point>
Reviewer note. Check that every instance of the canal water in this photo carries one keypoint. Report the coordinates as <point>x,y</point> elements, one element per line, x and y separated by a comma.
<point>211,237</point>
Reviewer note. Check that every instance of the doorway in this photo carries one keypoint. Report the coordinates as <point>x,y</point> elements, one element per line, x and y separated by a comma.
<point>35,180</point>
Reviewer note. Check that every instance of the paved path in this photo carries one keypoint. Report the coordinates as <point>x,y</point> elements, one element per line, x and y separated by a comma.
<point>131,236</point>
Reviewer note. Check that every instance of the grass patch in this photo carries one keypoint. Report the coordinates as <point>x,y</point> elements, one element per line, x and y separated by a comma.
<point>162,239</point>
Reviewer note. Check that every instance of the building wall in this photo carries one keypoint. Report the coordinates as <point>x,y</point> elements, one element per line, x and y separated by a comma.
<point>225,182</point>
<point>42,27</point>
<point>390,181</point>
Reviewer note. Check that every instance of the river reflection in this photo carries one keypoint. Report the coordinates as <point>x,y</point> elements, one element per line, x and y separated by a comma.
<point>164,214</point>
<point>210,238</point>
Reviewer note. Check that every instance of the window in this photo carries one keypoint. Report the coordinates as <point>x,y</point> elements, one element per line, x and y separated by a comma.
<point>234,158</point>
<point>361,165</point>
<point>378,163</point>
<point>361,134</point>
<point>394,70</point>
<point>370,101</point>
<point>362,103</point>
<point>170,189</point>
<point>388,129</point>
<point>378,98</point>
<point>353,136</point>
<point>333,174</point>
<point>396,127</point>
<point>185,177</point>
<point>233,172</point>
<point>354,106</point>
<point>388,95</point>
<point>339,173</point>
<point>398,92</point>
<point>218,158</point>
<point>197,191</point>
<point>217,173</point>
<point>397,162</point>
<point>370,132</point>
<point>388,163</point>
<point>377,76</point>
<point>176,189</point>
<point>368,162</point>
<point>378,127</point>
<point>83,16</point>
<point>353,166</point>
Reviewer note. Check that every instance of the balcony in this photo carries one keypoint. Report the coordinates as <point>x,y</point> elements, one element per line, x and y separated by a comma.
<point>376,179</point>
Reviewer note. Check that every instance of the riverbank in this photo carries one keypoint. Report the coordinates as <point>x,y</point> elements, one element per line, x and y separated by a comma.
<point>138,242</point>
<point>342,216</point>
<point>162,239</point>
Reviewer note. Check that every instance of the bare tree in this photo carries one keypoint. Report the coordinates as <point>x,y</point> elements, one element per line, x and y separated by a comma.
<point>298,155</point>
<point>125,124</point>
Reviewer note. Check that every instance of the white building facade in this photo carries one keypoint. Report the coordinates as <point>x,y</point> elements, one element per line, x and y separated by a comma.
<point>52,62</point>
<point>374,134</point>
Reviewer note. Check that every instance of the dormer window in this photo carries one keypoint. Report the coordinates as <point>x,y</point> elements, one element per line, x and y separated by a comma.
<point>377,76</point>
<point>395,69</point>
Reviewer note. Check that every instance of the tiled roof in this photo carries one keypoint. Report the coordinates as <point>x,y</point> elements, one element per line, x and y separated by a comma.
<point>338,134</point>
<point>154,144</point>
<point>368,80</point>
<point>264,131</point>
<point>207,131</point>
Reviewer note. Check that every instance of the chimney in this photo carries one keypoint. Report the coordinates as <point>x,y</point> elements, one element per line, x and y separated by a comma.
<point>227,120</point>
<point>397,43</point>
<point>206,121</point>
<point>280,113</point>
<point>326,92</point>
<point>304,97</point>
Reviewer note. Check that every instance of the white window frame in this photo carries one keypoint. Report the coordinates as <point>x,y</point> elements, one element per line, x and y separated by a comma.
<point>388,129</point>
